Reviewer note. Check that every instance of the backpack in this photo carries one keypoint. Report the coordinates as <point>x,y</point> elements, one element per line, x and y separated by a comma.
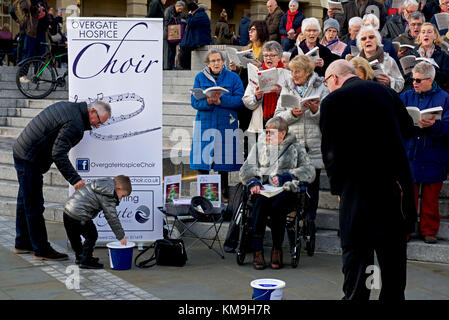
<point>19,13</point>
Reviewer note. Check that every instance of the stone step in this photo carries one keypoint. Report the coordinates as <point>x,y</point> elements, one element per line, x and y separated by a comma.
<point>16,94</point>
<point>177,89</point>
<point>178,109</point>
<point>10,131</point>
<point>52,178</point>
<point>178,121</point>
<point>53,211</point>
<point>328,241</point>
<point>51,193</point>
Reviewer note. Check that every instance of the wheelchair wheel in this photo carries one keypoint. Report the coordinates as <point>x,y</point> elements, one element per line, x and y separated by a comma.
<point>310,237</point>
<point>240,257</point>
<point>294,237</point>
<point>241,248</point>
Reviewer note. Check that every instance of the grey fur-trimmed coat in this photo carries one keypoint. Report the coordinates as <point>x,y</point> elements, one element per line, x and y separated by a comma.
<point>87,202</point>
<point>263,160</point>
<point>307,126</point>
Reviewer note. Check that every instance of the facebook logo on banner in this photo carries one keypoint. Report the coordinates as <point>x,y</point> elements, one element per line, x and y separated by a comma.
<point>82,164</point>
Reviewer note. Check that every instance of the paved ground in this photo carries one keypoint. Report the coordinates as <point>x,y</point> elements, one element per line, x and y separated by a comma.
<point>205,277</point>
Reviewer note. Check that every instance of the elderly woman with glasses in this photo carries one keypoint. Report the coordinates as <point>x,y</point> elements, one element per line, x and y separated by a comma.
<point>428,46</point>
<point>275,159</point>
<point>311,30</point>
<point>263,104</point>
<point>212,145</point>
<point>428,149</point>
<point>305,122</point>
<point>370,46</point>
<point>290,25</point>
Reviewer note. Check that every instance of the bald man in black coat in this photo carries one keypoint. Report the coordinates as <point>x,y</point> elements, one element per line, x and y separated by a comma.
<point>362,124</point>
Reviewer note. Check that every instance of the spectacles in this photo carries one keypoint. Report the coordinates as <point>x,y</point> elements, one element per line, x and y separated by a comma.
<point>98,117</point>
<point>252,29</point>
<point>311,31</point>
<point>415,24</point>
<point>325,80</point>
<point>371,37</point>
<point>270,56</point>
<point>272,132</point>
<point>417,80</point>
<point>215,61</point>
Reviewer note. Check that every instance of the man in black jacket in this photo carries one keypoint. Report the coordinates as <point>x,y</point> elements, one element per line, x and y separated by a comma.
<point>46,139</point>
<point>368,169</point>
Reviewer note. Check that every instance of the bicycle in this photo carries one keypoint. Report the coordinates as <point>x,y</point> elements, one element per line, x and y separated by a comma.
<point>38,76</point>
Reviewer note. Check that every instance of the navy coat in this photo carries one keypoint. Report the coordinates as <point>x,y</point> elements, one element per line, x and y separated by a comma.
<point>244,31</point>
<point>428,150</point>
<point>297,21</point>
<point>198,31</point>
<point>212,124</point>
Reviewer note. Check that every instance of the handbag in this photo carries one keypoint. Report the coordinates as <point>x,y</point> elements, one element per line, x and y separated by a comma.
<point>167,252</point>
<point>175,32</point>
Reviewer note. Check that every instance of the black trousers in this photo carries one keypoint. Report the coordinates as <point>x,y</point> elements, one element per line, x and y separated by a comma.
<point>392,259</point>
<point>75,229</point>
<point>276,208</point>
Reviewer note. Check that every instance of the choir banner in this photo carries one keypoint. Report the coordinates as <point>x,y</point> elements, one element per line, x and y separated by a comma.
<point>119,61</point>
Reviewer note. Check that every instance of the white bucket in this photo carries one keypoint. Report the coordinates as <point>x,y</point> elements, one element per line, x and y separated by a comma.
<point>267,289</point>
<point>120,256</point>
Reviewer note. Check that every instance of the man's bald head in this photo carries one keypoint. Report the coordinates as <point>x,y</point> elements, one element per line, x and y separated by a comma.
<point>340,71</point>
<point>271,5</point>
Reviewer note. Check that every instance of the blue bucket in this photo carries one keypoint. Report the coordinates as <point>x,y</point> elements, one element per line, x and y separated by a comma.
<point>120,256</point>
<point>267,289</point>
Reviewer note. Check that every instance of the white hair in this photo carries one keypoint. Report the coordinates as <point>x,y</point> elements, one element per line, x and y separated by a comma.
<point>310,22</point>
<point>370,29</point>
<point>293,2</point>
<point>371,19</point>
<point>355,21</point>
<point>425,69</point>
<point>101,107</point>
<point>409,3</point>
<point>286,54</point>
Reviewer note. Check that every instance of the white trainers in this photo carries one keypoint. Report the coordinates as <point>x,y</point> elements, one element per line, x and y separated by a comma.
<point>24,79</point>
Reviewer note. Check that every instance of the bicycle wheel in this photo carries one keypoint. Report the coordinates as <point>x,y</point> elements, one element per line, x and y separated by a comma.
<point>35,79</point>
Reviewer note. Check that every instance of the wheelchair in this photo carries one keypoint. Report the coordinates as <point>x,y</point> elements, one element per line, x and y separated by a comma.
<point>298,226</point>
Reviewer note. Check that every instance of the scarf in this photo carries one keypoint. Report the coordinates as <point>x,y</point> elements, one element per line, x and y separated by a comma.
<point>290,18</point>
<point>426,53</point>
<point>379,55</point>
<point>270,99</point>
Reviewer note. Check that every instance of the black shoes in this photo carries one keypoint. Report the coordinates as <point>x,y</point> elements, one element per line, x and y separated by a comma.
<point>78,259</point>
<point>51,255</point>
<point>91,263</point>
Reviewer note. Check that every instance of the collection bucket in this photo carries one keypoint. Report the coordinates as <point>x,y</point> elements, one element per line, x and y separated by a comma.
<point>120,256</point>
<point>267,289</point>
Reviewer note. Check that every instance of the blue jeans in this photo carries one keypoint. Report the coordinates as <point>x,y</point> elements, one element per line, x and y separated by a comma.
<point>33,47</point>
<point>30,224</point>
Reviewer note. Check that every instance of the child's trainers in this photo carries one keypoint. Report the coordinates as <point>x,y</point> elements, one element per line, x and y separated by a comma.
<point>91,263</point>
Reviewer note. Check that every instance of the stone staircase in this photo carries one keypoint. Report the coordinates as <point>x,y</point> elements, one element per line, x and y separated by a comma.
<point>178,117</point>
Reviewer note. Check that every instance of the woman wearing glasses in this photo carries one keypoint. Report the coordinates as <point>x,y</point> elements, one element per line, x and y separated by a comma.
<point>276,159</point>
<point>428,149</point>
<point>386,71</point>
<point>263,104</point>
<point>311,30</point>
<point>212,145</point>
<point>305,122</point>
<point>429,42</point>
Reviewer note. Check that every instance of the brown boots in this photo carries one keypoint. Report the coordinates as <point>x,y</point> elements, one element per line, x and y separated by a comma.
<point>276,259</point>
<point>258,260</point>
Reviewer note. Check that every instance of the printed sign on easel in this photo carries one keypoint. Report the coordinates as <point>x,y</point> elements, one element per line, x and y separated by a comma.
<point>209,187</point>
<point>172,188</point>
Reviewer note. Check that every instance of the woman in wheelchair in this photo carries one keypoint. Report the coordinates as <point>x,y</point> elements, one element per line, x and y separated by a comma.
<point>275,159</point>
